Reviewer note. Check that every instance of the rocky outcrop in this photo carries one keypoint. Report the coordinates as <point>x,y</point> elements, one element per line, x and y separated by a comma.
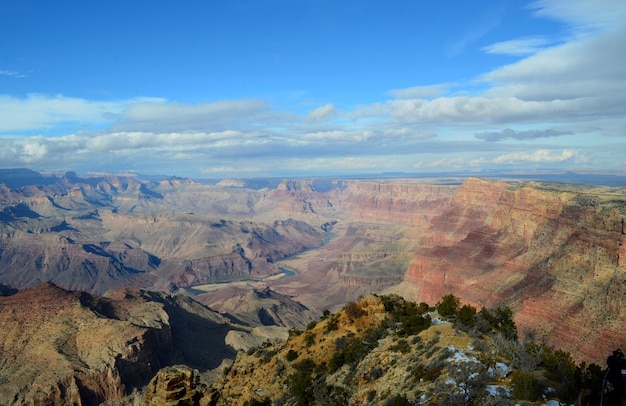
<point>178,385</point>
<point>260,306</point>
<point>60,347</point>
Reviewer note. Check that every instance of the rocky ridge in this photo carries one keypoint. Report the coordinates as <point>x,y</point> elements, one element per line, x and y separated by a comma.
<point>62,347</point>
<point>383,350</point>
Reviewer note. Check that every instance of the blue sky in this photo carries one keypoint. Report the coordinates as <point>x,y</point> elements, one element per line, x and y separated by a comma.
<point>313,87</point>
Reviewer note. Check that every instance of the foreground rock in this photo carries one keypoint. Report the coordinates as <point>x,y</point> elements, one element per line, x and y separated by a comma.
<point>178,385</point>
<point>60,347</point>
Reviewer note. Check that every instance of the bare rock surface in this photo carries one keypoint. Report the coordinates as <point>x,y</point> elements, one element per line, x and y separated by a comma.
<point>62,347</point>
<point>550,252</point>
<point>178,385</point>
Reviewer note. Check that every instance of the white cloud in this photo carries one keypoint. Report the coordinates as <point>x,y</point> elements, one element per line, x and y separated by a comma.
<point>509,133</point>
<point>338,136</point>
<point>534,111</point>
<point>420,92</point>
<point>483,109</point>
<point>323,112</point>
<point>178,117</point>
<point>11,74</point>
<point>444,164</point>
<point>519,47</point>
<point>37,112</point>
<point>539,156</point>
<point>583,15</point>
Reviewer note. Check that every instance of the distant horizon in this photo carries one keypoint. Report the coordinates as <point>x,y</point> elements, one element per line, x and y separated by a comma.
<point>599,178</point>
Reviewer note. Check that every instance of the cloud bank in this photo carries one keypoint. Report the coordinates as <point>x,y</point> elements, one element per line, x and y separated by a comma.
<point>561,103</point>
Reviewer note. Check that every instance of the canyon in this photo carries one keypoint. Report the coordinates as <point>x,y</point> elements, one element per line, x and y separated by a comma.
<point>554,253</point>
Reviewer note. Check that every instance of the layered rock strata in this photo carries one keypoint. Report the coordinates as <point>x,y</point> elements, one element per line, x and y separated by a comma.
<point>552,254</point>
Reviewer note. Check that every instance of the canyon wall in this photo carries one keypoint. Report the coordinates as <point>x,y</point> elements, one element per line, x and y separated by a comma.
<point>554,255</point>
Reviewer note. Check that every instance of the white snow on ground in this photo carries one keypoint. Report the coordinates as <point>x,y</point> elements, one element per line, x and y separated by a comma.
<point>459,355</point>
<point>497,390</point>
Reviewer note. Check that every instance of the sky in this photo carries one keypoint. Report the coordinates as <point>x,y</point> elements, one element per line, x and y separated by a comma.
<point>258,88</point>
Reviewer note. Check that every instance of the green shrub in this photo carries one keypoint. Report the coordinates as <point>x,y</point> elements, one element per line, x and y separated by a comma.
<point>301,382</point>
<point>294,332</point>
<point>466,316</point>
<point>255,402</point>
<point>525,386</point>
<point>353,310</point>
<point>448,307</point>
<point>309,339</point>
<point>401,346</point>
<point>332,323</point>
<point>398,400</point>
<point>291,355</point>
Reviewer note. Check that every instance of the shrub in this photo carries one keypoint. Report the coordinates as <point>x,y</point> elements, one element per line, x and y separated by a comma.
<point>353,310</point>
<point>525,386</point>
<point>376,373</point>
<point>294,332</point>
<point>398,400</point>
<point>301,381</point>
<point>504,322</point>
<point>401,346</point>
<point>255,402</point>
<point>309,339</point>
<point>432,373</point>
<point>466,316</point>
<point>449,306</point>
<point>291,355</point>
<point>332,323</point>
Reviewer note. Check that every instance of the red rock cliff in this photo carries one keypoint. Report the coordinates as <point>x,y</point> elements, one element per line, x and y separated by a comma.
<point>549,254</point>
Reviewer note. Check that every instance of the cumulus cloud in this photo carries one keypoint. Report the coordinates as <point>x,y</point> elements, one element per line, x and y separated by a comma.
<point>509,133</point>
<point>323,112</point>
<point>463,109</point>
<point>590,64</point>
<point>539,156</point>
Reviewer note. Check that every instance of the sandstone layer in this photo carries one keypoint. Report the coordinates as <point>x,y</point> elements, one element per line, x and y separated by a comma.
<point>551,253</point>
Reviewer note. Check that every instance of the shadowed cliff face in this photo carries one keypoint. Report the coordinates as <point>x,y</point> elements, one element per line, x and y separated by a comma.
<point>61,347</point>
